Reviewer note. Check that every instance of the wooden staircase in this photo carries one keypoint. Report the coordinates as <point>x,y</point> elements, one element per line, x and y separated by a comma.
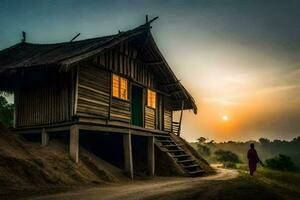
<point>186,162</point>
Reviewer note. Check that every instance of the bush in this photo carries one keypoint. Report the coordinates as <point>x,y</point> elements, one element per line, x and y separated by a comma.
<point>281,162</point>
<point>226,156</point>
<point>6,112</point>
<point>230,165</point>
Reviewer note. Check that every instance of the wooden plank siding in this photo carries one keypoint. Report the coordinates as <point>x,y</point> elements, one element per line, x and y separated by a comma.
<point>168,115</point>
<point>93,92</point>
<point>120,110</point>
<point>124,60</point>
<point>150,118</point>
<point>46,101</point>
<point>94,88</point>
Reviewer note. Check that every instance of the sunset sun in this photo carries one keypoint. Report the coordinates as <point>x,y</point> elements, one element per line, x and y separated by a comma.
<point>225,118</point>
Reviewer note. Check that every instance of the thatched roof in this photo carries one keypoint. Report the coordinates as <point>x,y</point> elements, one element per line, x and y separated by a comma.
<point>23,56</point>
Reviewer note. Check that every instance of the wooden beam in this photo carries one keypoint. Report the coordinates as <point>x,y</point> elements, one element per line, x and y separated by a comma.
<point>172,84</point>
<point>128,163</point>
<point>154,63</point>
<point>74,37</point>
<point>152,20</point>
<point>180,120</point>
<point>74,143</point>
<point>76,90</point>
<point>151,156</point>
<point>175,92</point>
<point>45,137</point>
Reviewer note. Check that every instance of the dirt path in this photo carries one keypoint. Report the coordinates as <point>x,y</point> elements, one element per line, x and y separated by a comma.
<point>157,188</point>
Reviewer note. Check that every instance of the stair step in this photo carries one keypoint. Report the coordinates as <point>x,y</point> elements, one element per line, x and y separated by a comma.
<point>162,136</point>
<point>165,141</point>
<point>185,161</point>
<point>191,166</point>
<point>181,156</point>
<point>196,172</point>
<point>172,145</point>
<point>177,150</point>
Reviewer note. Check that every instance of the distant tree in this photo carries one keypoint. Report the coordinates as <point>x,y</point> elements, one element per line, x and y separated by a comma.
<point>226,156</point>
<point>6,112</point>
<point>201,140</point>
<point>202,147</point>
<point>281,162</point>
<point>264,141</point>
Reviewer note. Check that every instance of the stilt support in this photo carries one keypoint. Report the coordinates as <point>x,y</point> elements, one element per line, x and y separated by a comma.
<point>128,164</point>
<point>45,138</point>
<point>151,156</point>
<point>74,143</point>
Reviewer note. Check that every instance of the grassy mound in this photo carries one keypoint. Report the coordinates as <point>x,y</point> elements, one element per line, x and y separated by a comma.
<point>27,166</point>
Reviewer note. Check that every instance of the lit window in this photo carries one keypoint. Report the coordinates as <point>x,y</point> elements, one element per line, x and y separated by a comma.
<point>116,80</point>
<point>151,102</point>
<point>123,88</point>
<point>120,87</point>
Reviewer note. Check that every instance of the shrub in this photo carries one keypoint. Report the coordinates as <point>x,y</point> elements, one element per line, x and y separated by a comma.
<point>281,162</point>
<point>226,156</point>
<point>230,165</point>
<point>6,112</point>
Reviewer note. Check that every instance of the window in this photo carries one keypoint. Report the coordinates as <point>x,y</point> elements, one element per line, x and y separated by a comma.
<point>151,102</point>
<point>120,87</point>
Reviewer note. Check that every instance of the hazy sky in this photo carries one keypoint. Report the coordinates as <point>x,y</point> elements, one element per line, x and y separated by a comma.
<point>237,58</point>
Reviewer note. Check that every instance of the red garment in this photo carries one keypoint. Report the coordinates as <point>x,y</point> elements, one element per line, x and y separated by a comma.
<point>252,160</point>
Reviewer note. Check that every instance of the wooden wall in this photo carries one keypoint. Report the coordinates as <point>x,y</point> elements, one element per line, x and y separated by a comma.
<point>43,98</point>
<point>120,110</point>
<point>124,60</point>
<point>150,118</point>
<point>93,92</point>
<point>94,96</point>
<point>167,115</point>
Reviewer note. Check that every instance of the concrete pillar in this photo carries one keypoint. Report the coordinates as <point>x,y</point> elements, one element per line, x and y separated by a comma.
<point>74,143</point>
<point>128,164</point>
<point>151,156</point>
<point>45,138</point>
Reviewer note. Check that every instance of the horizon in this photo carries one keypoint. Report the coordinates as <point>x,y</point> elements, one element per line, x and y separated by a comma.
<point>244,55</point>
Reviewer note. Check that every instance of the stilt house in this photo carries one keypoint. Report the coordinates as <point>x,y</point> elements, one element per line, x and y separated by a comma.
<point>117,84</point>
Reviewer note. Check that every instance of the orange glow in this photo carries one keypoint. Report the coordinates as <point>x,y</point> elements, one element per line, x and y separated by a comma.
<point>120,87</point>
<point>225,118</point>
<point>151,100</point>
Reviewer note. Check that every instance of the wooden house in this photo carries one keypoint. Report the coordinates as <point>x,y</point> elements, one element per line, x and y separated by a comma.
<point>118,84</point>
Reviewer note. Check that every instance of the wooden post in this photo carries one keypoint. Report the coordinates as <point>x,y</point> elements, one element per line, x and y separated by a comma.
<point>15,111</point>
<point>76,90</point>
<point>151,156</point>
<point>74,143</point>
<point>180,120</point>
<point>128,164</point>
<point>45,137</point>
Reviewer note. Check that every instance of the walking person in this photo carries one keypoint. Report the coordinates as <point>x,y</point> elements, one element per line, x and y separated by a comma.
<point>253,159</point>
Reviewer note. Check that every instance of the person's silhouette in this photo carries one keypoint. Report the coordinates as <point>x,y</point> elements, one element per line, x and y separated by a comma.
<point>253,159</point>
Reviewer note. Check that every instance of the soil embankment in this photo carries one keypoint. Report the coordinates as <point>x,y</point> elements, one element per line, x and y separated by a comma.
<point>26,167</point>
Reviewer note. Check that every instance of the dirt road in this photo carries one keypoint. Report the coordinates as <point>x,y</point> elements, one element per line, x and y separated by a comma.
<point>157,188</point>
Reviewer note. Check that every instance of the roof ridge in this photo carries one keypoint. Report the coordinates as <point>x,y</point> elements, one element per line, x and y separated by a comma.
<point>83,40</point>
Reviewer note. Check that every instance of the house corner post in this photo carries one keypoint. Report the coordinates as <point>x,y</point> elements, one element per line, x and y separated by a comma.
<point>128,163</point>
<point>74,143</point>
<point>44,137</point>
<point>151,156</point>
